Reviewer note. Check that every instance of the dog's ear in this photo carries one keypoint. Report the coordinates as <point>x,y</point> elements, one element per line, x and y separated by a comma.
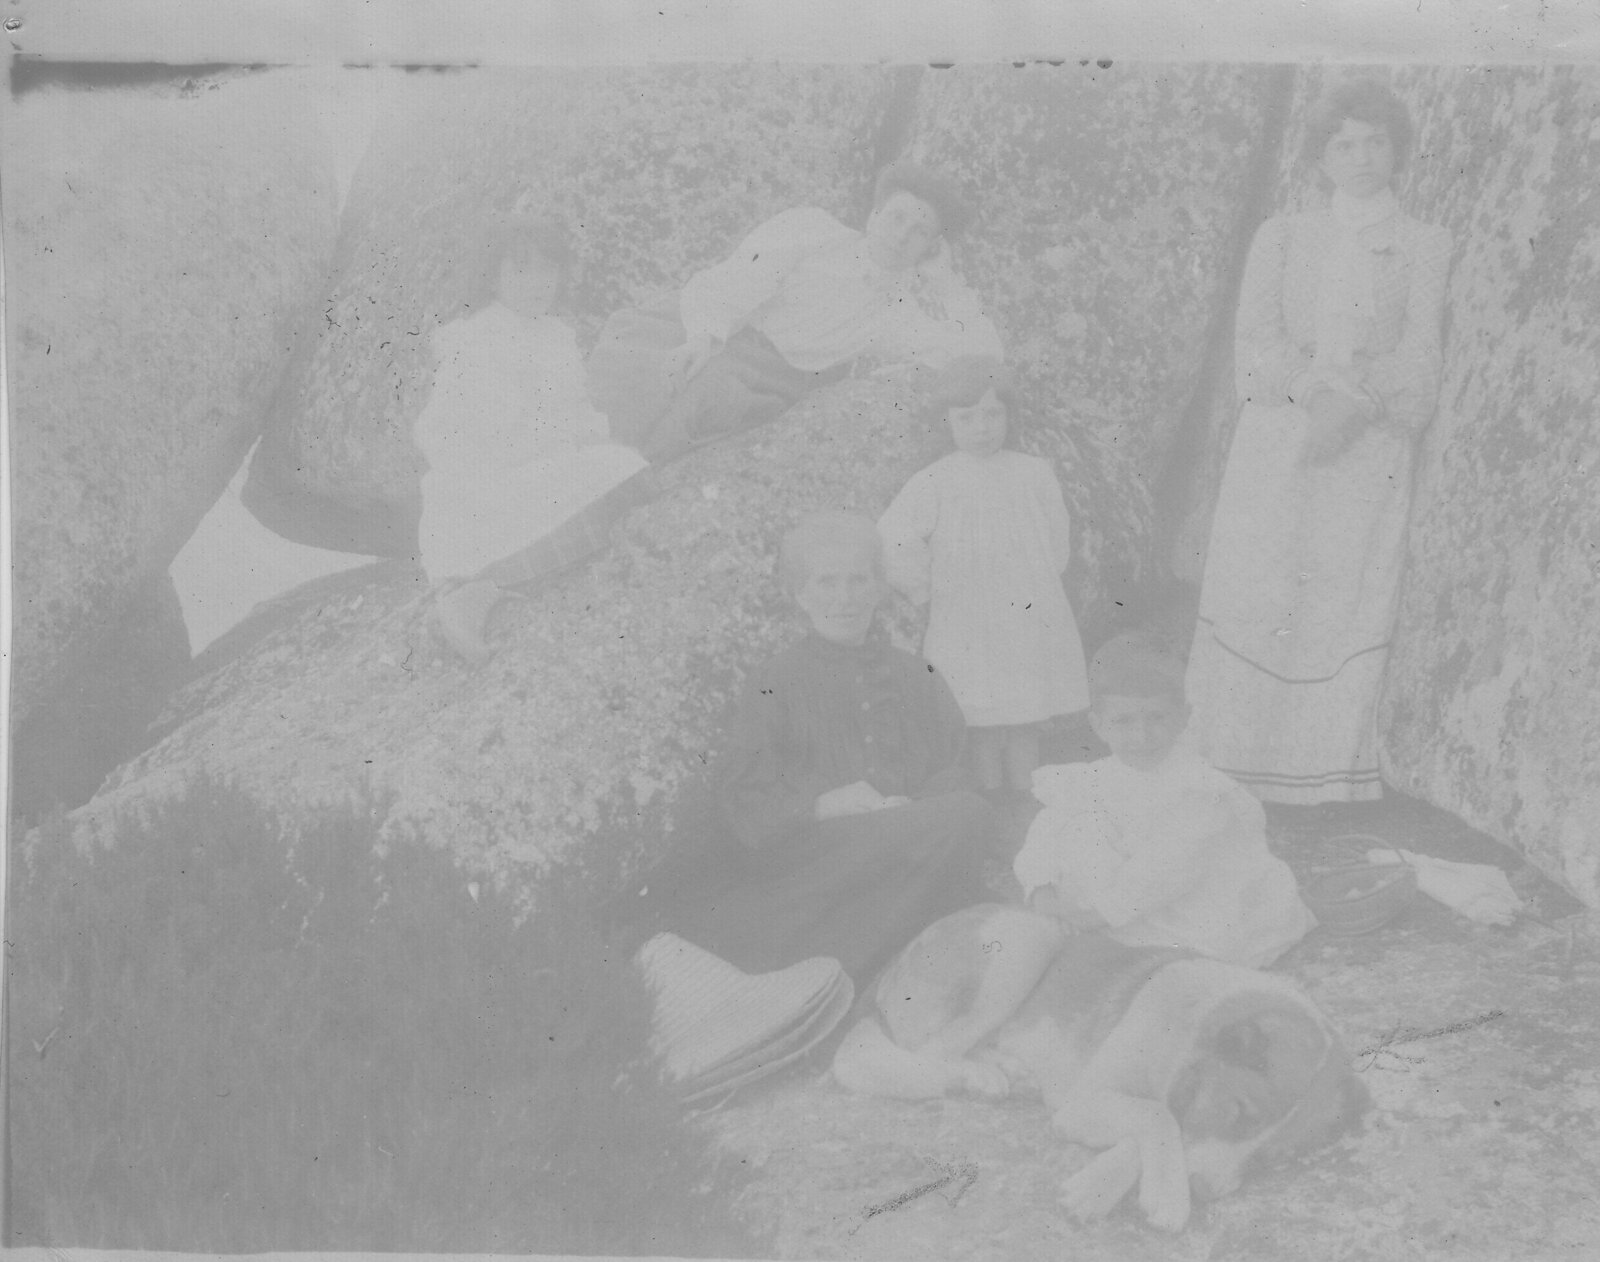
<point>1333,1101</point>
<point>1290,1045</point>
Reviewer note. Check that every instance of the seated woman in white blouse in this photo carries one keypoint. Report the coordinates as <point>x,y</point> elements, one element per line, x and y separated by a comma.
<point>802,299</point>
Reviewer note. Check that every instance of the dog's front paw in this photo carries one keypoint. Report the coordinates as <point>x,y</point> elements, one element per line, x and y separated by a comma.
<point>1166,1208</point>
<point>1094,1191</point>
<point>982,1079</point>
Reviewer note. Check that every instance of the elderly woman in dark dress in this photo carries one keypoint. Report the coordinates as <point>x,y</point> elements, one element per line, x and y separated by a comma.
<point>852,822</point>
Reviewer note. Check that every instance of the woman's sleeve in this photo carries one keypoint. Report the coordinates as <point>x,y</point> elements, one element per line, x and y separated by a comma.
<point>719,301</point>
<point>1171,862</point>
<point>768,791</point>
<point>1406,379</point>
<point>1268,366</point>
<point>1068,848</point>
<point>1057,521</point>
<point>905,527</point>
<point>1038,862</point>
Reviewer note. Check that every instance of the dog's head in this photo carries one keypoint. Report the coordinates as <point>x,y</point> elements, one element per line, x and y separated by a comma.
<point>1267,1077</point>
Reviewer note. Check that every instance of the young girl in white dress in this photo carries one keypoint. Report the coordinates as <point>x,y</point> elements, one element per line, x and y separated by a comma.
<point>514,448</point>
<point>982,537</point>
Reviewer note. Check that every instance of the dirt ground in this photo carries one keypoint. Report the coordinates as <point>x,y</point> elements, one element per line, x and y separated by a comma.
<point>1480,1046</point>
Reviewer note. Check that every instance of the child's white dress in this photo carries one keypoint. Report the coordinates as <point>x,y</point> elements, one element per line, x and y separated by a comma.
<point>1175,856</point>
<point>985,539</point>
<point>510,438</point>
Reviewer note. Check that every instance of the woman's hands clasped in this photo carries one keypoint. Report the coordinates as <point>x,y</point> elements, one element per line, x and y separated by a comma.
<point>859,798</point>
<point>1336,419</point>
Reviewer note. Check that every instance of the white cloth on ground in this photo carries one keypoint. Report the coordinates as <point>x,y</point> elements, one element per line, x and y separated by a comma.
<point>1478,891</point>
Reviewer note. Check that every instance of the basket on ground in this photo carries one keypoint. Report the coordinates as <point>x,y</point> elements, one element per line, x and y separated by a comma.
<point>1362,897</point>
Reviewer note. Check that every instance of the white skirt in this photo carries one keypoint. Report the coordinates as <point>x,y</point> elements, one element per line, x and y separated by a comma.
<point>1301,586</point>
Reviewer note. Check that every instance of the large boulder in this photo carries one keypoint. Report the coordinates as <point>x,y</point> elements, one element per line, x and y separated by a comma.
<point>656,172</point>
<point>604,700</point>
<point>1492,706</point>
<point>1110,216</point>
<point>160,245</point>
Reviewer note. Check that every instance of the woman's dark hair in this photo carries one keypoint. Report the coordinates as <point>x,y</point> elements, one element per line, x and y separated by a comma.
<point>516,237</point>
<point>939,191</point>
<point>966,380</point>
<point>829,527</point>
<point>1366,101</point>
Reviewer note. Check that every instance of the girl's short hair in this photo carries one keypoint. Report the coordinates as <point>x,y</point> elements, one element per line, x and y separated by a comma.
<point>938,190</point>
<point>1135,664</point>
<point>1366,101</point>
<point>820,530</point>
<point>964,381</point>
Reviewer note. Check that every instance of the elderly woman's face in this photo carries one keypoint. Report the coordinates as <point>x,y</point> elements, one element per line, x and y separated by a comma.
<point>841,591</point>
<point>902,231</point>
<point>1359,159</point>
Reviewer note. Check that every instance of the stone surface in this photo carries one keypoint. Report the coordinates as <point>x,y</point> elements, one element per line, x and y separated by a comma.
<point>656,172</point>
<point>604,700</point>
<point>157,241</point>
<point>1109,220</point>
<point>1492,707</point>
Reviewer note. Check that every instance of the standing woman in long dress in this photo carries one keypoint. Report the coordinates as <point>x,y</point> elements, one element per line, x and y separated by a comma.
<point>1338,364</point>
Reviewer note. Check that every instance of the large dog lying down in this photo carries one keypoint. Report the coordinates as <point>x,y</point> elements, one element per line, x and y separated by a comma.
<point>1180,1069</point>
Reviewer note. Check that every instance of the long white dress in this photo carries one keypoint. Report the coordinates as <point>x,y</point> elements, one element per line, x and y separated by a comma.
<point>510,438</point>
<point>984,540</point>
<point>1304,563</point>
<point>1175,856</point>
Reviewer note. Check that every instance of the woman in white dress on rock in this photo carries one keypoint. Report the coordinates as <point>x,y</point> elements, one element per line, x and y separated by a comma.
<point>982,536</point>
<point>1338,366</point>
<point>513,445</point>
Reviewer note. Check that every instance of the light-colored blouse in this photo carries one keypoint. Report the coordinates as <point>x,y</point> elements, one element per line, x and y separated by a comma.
<point>1384,271</point>
<point>1174,856</point>
<point>809,284</point>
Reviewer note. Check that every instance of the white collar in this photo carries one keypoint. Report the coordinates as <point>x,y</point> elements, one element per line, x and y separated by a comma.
<point>1355,213</point>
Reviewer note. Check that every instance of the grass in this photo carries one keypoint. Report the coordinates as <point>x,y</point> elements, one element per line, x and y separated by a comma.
<point>232,1036</point>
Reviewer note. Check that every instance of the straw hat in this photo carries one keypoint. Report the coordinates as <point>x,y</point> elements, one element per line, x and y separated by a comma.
<point>713,1020</point>
<point>780,1052</point>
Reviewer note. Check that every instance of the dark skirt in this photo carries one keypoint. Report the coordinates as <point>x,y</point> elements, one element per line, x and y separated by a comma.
<point>856,888</point>
<point>747,383</point>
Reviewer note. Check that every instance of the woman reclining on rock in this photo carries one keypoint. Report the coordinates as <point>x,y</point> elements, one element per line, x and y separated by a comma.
<point>801,299</point>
